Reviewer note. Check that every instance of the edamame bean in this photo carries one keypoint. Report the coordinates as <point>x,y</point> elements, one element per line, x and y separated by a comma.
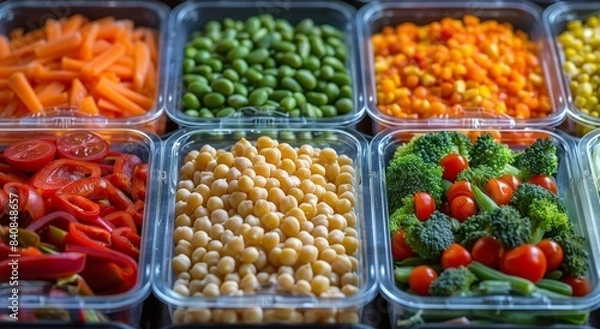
<point>258,97</point>
<point>225,112</point>
<point>268,21</point>
<point>316,98</point>
<point>192,113</point>
<point>270,63</point>
<point>259,34</point>
<point>341,53</point>
<point>288,103</point>
<point>306,79</point>
<point>271,71</point>
<point>300,99</point>
<point>230,34</point>
<point>231,74</point>
<point>222,86</point>
<point>280,94</point>
<point>238,52</point>
<point>303,48</point>
<point>212,100</point>
<point>203,43</point>
<point>286,71</point>
<point>332,91</point>
<point>309,110</point>
<point>346,91</point>
<point>335,63</point>
<point>311,63</point>
<point>329,111</point>
<point>268,81</point>
<point>252,24</point>
<point>188,65</point>
<point>199,88</point>
<point>283,46</point>
<point>205,113</point>
<point>237,101</point>
<point>240,89</point>
<point>291,84</point>
<point>224,45</point>
<point>191,78</point>
<point>204,70</point>
<point>202,56</point>
<point>327,72</point>
<point>330,31</point>
<point>341,79</point>
<point>228,22</point>
<point>190,102</point>
<point>215,64</point>
<point>240,66</point>
<point>344,105</point>
<point>213,26</point>
<point>190,52</point>
<point>292,59</point>
<point>295,113</point>
<point>253,75</point>
<point>305,25</point>
<point>317,47</point>
<point>258,56</point>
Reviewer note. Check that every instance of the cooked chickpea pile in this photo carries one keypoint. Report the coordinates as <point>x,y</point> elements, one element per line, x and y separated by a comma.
<point>270,217</point>
<point>443,68</point>
<point>581,48</point>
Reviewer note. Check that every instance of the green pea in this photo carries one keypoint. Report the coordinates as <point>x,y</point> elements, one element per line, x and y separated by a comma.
<point>238,52</point>
<point>212,100</point>
<point>191,78</point>
<point>306,79</point>
<point>317,47</point>
<point>346,91</point>
<point>300,98</point>
<point>292,59</point>
<point>231,74</point>
<point>344,105</point>
<point>188,65</point>
<point>309,110</point>
<point>288,103</point>
<point>332,91</point>
<point>270,63</point>
<point>203,43</point>
<point>303,48</point>
<point>205,113</point>
<point>224,45</point>
<point>253,75</point>
<point>329,111</point>
<point>315,98</point>
<point>199,88</point>
<point>226,112</point>
<point>192,113</point>
<point>252,24</point>
<point>222,86</point>
<point>190,52</point>
<point>237,101</point>
<point>268,81</point>
<point>215,64</point>
<point>258,97</point>
<point>259,34</point>
<point>291,84</point>
<point>311,63</point>
<point>305,25</point>
<point>239,65</point>
<point>278,95</point>
<point>258,56</point>
<point>284,46</point>
<point>213,26</point>
<point>202,56</point>
<point>341,79</point>
<point>335,63</point>
<point>286,71</point>
<point>271,71</point>
<point>190,101</point>
<point>204,70</point>
<point>241,89</point>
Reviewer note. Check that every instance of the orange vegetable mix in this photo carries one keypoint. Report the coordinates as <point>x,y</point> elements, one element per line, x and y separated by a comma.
<point>446,67</point>
<point>105,67</point>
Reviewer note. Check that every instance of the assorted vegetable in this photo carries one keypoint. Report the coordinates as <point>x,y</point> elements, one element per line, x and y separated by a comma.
<point>492,222</point>
<point>266,63</point>
<point>446,67</point>
<point>105,67</point>
<point>265,218</point>
<point>73,227</point>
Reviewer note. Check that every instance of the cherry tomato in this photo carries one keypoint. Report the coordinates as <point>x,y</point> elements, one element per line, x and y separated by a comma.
<point>401,250</point>
<point>488,251</point>
<point>460,188</point>
<point>553,252</point>
<point>421,278</point>
<point>453,164</point>
<point>463,207</point>
<point>511,180</point>
<point>455,256</point>
<point>499,191</point>
<point>30,155</point>
<point>526,261</point>
<point>82,145</point>
<point>545,182</point>
<point>424,205</point>
<point>581,286</point>
<point>61,172</point>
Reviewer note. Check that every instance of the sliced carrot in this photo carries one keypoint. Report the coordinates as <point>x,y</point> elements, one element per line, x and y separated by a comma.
<point>150,81</point>
<point>99,47</point>
<point>6,96</point>
<point>53,30</point>
<point>126,61</point>
<point>142,64</point>
<point>138,34</point>
<point>53,88</point>
<point>42,75</point>
<point>105,21</point>
<point>108,106</point>
<point>21,87</point>
<point>123,72</point>
<point>54,100</point>
<point>27,69</point>
<point>78,92</point>
<point>16,33</point>
<point>27,39</point>
<point>4,46</point>
<point>3,83</point>
<point>71,64</point>
<point>104,60</point>
<point>151,40</point>
<point>133,96</point>
<point>73,23</point>
<point>53,66</point>
<point>86,52</point>
<point>60,47</point>
<point>22,54</point>
<point>88,105</point>
<point>103,88</point>
<point>111,31</point>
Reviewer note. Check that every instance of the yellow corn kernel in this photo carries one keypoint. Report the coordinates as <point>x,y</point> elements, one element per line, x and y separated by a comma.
<point>460,86</point>
<point>536,79</point>
<point>427,80</point>
<point>484,91</point>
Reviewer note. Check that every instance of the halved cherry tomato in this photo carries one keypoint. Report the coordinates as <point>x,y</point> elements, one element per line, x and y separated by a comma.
<point>424,205</point>
<point>30,155</point>
<point>401,250</point>
<point>453,164</point>
<point>499,191</point>
<point>421,278</point>
<point>463,207</point>
<point>511,180</point>
<point>82,145</point>
<point>526,261</point>
<point>545,182</point>
<point>581,286</point>
<point>126,163</point>
<point>126,241</point>
<point>460,188</point>
<point>488,251</point>
<point>59,173</point>
<point>455,256</point>
<point>553,252</point>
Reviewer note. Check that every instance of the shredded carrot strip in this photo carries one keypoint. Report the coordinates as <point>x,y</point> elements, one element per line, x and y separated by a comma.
<point>21,87</point>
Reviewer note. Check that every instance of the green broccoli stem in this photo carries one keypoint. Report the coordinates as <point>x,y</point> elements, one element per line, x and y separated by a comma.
<point>401,274</point>
<point>512,170</point>
<point>413,261</point>
<point>554,275</point>
<point>519,285</point>
<point>537,235</point>
<point>484,202</point>
<point>555,286</point>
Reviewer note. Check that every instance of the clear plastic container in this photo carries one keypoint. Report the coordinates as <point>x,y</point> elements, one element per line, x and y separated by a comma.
<point>404,305</point>
<point>495,326</point>
<point>64,326</point>
<point>344,142</point>
<point>556,18</point>
<point>192,16</point>
<point>126,307</point>
<point>276,326</point>
<point>32,15</point>
<point>522,15</point>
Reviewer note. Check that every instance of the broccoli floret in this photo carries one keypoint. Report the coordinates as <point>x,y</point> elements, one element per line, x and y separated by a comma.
<point>545,216</point>
<point>430,238</point>
<point>432,147</point>
<point>527,193</point>
<point>478,176</point>
<point>408,175</point>
<point>404,217</point>
<point>575,256</point>
<point>504,223</point>
<point>452,282</point>
<point>488,152</point>
<point>538,159</point>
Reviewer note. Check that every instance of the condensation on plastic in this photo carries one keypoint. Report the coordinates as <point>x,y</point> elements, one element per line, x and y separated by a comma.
<point>125,307</point>
<point>182,142</point>
<point>521,14</point>
<point>192,16</point>
<point>568,179</point>
<point>555,19</point>
<point>32,15</point>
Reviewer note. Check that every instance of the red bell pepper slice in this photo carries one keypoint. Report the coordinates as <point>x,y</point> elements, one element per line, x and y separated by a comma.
<point>97,189</point>
<point>137,212</point>
<point>6,251</point>
<point>106,169</point>
<point>127,241</point>
<point>138,182</point>
<point>60,219</point>
<point>44,266</point>
<point>81,207</point>
<point>121,219</point>
<point>9,178</point>
<point>105,208</point>
<point>126,163</point>
<point>28,199</point>
<point>88,236</point>
<point>59,173</point>
<point>120,181</point>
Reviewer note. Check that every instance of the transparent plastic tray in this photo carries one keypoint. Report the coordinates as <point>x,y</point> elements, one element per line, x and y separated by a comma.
<point>32,14</point>
<point>276,326</point>
<point>571,190</point>
<point>125,307</point>
<point>344,142</point>
<point>521,14</point>
<point>192,16</point>
<point>64,326</point>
